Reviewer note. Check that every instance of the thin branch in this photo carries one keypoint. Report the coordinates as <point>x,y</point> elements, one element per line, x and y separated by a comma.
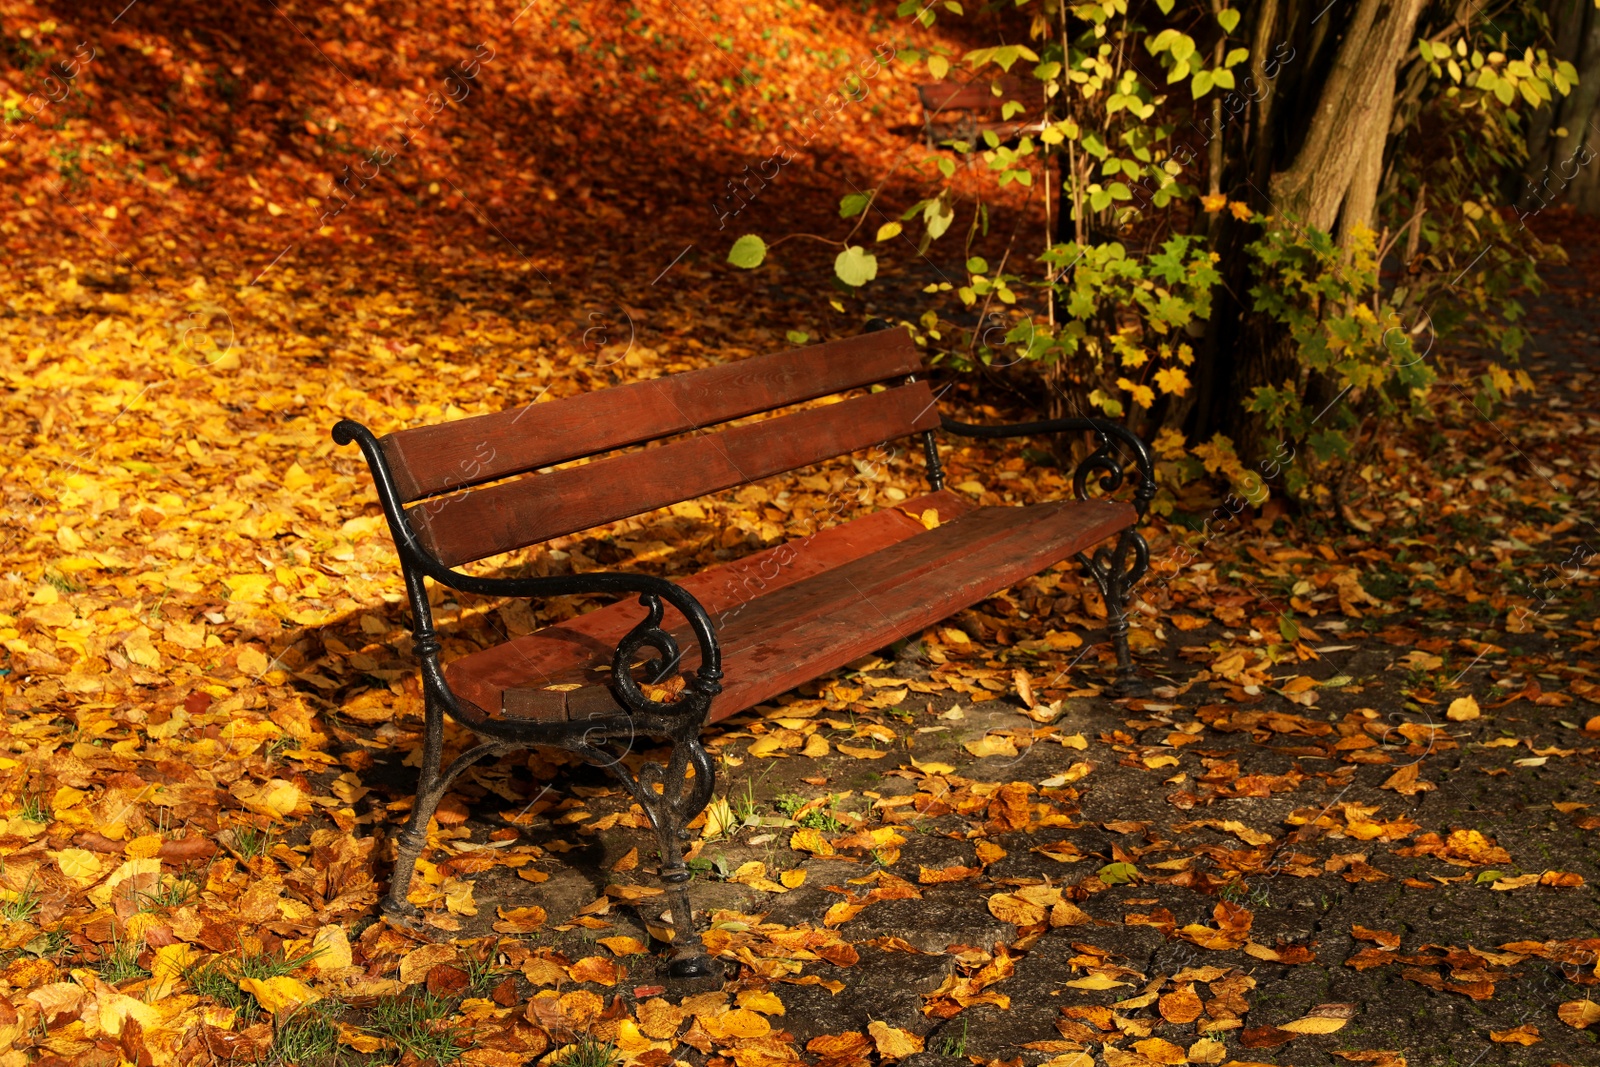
<point>808,236</point>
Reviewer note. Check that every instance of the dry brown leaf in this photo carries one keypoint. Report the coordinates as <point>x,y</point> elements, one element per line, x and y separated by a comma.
<point>1526,1034</point>
<point>596,969</point>
<point>1066,913</point>
<point>520,920</point>
<point>850,1045</point>
<point>1580,1014</point>
<point>1405,781</point>
<point>1160,1050</point>
<point>893,1043</point>
<point>1376,1057</point>
<point>1010,908</point>
<point>1181,1005</point>
<point>659,1018</point>
<point>735,1024</point>
<point>992,745</point>
<point>1381,937</point>
<point>1322,1019</point>
<point>1265,1037</point>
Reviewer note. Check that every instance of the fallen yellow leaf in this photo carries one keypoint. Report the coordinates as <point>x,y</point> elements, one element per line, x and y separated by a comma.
<point>332,946</point>
<point>1322,1019</point>
<point>78,864</point>
<point>1526,1034</point>
<point>761,1000</point>
<point>809,839</point>
<point>991,745</point>
<point>893,1043</point>
<point>279,994</point>
<point>1579,1014</point>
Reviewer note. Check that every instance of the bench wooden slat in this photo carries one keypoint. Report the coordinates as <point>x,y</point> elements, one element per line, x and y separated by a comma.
<point>849,591</point>
<point>537,507</point>
<point>846,613</point>
<point>430,460</point>
<point>978,96</point>
<point>507,676</point>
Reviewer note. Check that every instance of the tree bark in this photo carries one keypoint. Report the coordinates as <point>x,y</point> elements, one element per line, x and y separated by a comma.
<point>1334,176</point>
<point>1317,145</point>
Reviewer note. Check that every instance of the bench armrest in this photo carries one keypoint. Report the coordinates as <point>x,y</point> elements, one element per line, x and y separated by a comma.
<point>1109,459</point>
<point>417,561</point>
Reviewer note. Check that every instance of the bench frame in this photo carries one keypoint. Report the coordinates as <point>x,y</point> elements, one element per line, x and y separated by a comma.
<point>971,109</point>
<point>1116,570</point>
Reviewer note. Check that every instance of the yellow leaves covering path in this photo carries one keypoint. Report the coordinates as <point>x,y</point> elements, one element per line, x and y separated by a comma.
<point>205,668</point>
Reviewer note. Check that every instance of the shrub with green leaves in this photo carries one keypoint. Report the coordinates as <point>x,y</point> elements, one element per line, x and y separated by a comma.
<point>1250,212</point>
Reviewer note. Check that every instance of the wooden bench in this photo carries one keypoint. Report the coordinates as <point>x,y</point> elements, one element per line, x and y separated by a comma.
<point>467,490</point>
<point>953,112</point>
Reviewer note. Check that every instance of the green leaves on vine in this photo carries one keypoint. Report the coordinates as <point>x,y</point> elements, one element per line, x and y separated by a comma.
<point>1498,75</point>
<point>855,266</point>
<point>854,204</point>
<point>748,252</point>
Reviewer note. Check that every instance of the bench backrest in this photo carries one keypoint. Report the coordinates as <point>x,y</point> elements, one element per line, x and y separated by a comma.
<point>978,96</point>
<point>462,523</point>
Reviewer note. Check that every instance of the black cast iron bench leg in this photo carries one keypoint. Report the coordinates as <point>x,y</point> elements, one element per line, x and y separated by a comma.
<point>1116,571</point>
<point>670,811</point>
<point>432,784</point>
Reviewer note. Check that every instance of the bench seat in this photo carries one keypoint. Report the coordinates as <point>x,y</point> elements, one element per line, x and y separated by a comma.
<point>799,610</point>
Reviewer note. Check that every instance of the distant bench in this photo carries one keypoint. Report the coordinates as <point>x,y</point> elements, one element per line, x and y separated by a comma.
<point>953,112</point>
<point>463,491</point>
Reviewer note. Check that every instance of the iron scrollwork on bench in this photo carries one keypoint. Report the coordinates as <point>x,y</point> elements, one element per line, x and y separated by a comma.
<point>680,720</point>
<point>1118,568</point>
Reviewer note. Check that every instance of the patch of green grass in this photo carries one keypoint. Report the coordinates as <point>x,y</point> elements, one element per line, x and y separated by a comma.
<point>1387,584</point>
<point>817,817</point>
<point>590,1051</point>
<point>173,892</point>
<point>481,977</point>
<point>309,1038</point>
<point>250,842</point>
<point>120,963</point>
<point>210,981</point>
<point>273,964</point>
<point>744,806</point>
<point>62,585</point>
<point>52,944</point>
<point>218,978</point>
<point>22,908</point>
<point>415,1025</point>
<point>955,1047</point>
<point>34,810</point>
<point>718,868</point>
<point>276,747</point>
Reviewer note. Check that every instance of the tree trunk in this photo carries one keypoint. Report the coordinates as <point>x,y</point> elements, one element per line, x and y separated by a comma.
<point>1316,142</point>
<point>1561,142</point>
<point>1334,176</point>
